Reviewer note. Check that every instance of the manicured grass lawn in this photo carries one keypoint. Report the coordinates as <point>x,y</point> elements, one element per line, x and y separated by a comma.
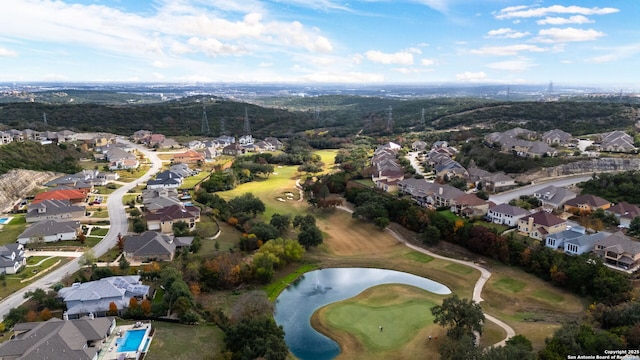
<point>10,232</point>
<point>185,342</point>
<point>366,182</point>
<point>498,227</point>
<point>191,181</point>
<point>328,157</point>
<point>127,198</point>
<point>110,255</point>
<point>270,189</point>
<point>105,190</point>
<point>449,215</point>
<point>35,259</point>
<point>126,176</point>
<point>279,284</point>
<point>402,311</point>
<point>419,257</point>
<point>459,268</point>
<point>99,214</point>
<point>96,231</point>
<point>510,285</point>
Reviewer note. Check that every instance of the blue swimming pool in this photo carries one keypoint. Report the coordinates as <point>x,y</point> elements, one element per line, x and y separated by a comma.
<point>4,220</point>
<point>132,340</point>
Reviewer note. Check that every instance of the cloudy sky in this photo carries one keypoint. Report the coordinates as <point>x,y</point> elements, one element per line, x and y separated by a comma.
<point>322,41</point>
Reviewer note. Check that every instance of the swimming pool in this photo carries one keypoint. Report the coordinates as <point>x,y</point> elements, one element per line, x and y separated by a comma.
<point>132,340</point>
<point>4,220</point>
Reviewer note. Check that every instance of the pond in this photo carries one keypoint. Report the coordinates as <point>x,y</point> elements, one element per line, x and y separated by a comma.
<point>315,289</point>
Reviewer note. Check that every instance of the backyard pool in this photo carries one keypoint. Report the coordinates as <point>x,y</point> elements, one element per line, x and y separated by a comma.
<point>131,340</point>
<point>4,220</point>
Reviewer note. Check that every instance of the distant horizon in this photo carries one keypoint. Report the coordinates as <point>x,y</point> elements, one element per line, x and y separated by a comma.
<point>361,42</point>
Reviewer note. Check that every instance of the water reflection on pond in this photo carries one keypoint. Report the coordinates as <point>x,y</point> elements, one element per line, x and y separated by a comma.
<point>315,289</point>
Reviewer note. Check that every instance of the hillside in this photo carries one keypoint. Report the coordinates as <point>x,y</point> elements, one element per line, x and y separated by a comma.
<point>341,115</point>
<point>32,155</point>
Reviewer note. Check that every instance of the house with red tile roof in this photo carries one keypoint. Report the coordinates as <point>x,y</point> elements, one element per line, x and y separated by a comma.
<point>75,196</point>
<point>541,224</point>
<point>188,157</point>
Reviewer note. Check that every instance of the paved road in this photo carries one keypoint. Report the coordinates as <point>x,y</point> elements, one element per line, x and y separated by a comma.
<point>118,220</point>
<point>506,196</point>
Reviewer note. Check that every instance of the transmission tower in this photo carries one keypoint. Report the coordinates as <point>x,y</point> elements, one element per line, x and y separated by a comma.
<point>316,115</point>
<point>422,118</point>
<point>223,130</point>
<point>44,117</point>
<point>550,88</point>
<point>390,119</point>
<point>204,129</point>
<point>247,125</point>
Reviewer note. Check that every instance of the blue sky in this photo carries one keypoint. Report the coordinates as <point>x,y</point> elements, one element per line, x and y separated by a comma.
<point>581,42</point>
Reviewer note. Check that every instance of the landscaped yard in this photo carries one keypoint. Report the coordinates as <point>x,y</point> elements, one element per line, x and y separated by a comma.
<point>185,342</point>
<point>10,232</point>
<point>191,181</point>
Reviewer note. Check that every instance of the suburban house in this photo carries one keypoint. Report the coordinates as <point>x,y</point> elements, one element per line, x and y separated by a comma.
<point>89,177</point>
<point>12,258</point>
<point>498,182</point>
<point>50,231</point>
<point>449,169</point>
<point>469,205</point>
<point>225,140</point>
<point>429,194</point>
<point>557,240</point>
<point>165,180</point>
<point>149,246</point>
<point>157,199</point>
<point>182,170</point>
<point>140,135</point>
<point>94,297</point>
<point>196,145</point>
<point>556,136</point>
<point>506,214</point>
<point>385,170</point>
<point>188,157</point>
<point>233,149</point>
<point>274,142</point>
<point>516,141</point>
<point>624,212</point>
<point>586,204</point>
<point>553,197</point>
<point>418,145</point>
<point>619,251</point>
<point>80,339</point>
<point>53,210</point>
<point>74,196</point>
<point>583,244</point>
<point>617,141</point>
<point>163,219</point>
<point>541,224</point>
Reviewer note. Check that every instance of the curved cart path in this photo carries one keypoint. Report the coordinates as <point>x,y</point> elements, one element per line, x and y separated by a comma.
<point>477,289</point>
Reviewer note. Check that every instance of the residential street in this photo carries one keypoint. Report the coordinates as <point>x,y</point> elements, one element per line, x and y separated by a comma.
<point>118,219</point>
<point>506,196</point>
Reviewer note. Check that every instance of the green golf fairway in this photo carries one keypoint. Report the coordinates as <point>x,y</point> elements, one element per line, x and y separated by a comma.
<point>400,313</point>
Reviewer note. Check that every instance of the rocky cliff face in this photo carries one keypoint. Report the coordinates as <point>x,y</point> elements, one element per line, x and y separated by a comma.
<point>17,184</point>
<point>593,166</point>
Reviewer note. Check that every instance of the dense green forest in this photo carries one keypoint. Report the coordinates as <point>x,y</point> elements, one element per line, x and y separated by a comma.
<point>614,187</point>
<point>336,116</point>
<point>32,155</point>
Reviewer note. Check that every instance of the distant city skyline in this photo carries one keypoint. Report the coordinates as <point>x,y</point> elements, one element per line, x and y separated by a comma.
<point>583,42</point>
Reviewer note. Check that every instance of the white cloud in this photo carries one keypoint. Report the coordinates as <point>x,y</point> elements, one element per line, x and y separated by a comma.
<point>554,35</point>
<point>402,57</point>
<point>158,76</point>
<point>213,47</point>
<point>506,33</point>
<point>265,64</point>
<point>7,53</point>
<point>427,62</point>
<point>517,65</point>
<point>508,50</point>
<point>412,70</point>
<point>528,12</point>
<point>160,64</point>
<point>576,19</point>
<point>602,59</point>
<point>468,76</point>
<point>55,77</point>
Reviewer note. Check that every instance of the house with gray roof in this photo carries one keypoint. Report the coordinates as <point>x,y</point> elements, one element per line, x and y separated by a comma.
<point>94,297</point>
<point>54,210</point>
<point>505,214</point>
<point>557,240</point>
<point>583,244</point>
<point>619,251</point>
<point>50,231</point>
<point>418,145</point>
<point>429,194</point>
<point>553,197</point>
<point>624,212</point>
<point>556,136</point>
<point>617,141</point>
<point>55,339</point>
<point>12,258</point>
<point>149,246</point>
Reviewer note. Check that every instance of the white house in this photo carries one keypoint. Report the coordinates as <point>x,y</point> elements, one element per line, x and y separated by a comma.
<point>50,231</point>
<point>506,214</point>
